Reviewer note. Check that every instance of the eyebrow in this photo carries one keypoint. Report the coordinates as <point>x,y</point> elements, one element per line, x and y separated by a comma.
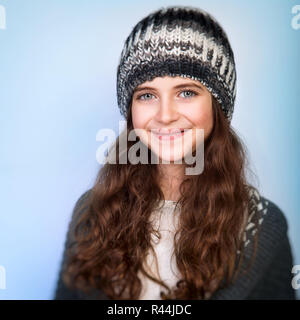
<point>183,85</point>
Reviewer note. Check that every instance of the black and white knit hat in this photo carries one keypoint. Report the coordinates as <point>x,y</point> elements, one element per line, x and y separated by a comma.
<point>178,41</point>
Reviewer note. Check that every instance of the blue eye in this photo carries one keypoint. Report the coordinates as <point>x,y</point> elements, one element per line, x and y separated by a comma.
<point>191,93</point>
<point>143,95</point>
<point>147,96</point>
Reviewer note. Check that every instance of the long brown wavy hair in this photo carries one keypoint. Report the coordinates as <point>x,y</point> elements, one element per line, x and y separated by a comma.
<point>113,234</point>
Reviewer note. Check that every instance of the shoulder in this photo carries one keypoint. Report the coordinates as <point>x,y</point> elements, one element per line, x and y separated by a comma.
<point>269,270</point>
<point>83,198</point>
<point>81,203</point>
<point>271,221</point>
<point>274,215</point>
<point>79,208</point>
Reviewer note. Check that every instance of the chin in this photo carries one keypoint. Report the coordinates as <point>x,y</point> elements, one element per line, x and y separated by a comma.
<point>172,153</point>
<point>178,160</point>
<point>170,157</point>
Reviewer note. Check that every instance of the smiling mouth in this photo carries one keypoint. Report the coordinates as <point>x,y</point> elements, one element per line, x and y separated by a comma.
<point>170,136</point>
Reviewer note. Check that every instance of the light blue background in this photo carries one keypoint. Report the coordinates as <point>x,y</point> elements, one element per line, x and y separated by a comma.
<point>58,62</point>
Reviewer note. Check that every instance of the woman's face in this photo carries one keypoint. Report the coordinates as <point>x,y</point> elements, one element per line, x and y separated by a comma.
<point>175,103</point>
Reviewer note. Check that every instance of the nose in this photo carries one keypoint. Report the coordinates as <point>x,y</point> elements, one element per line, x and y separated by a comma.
<point>167,111</point>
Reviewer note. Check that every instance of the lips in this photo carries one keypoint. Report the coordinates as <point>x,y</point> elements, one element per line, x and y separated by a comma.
<point>167,131</point>
<point>169,134</point>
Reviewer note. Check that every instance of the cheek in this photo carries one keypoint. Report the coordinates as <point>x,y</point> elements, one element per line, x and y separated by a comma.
<point>138,120</point>
<point>140,116</point>
<point>201,115</point>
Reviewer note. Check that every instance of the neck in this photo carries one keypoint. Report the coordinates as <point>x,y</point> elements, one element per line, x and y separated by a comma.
<point>171,176</point>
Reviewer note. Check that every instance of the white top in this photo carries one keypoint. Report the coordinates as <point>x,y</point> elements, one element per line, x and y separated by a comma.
<point>164,220</point>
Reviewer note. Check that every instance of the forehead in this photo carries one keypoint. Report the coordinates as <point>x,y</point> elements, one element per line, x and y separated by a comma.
<point>170,81</point>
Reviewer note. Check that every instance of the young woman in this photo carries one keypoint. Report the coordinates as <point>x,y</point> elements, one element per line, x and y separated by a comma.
<point>155,230</point>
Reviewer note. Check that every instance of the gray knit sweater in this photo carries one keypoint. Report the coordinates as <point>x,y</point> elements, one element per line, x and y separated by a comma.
<point>269,277</point>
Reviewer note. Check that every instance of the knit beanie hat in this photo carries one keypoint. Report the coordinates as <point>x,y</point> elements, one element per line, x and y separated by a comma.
<point>178,41</point>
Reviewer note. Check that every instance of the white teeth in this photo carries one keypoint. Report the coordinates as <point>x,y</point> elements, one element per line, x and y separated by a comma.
<point>169,133</point>
<point>166,132</point>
